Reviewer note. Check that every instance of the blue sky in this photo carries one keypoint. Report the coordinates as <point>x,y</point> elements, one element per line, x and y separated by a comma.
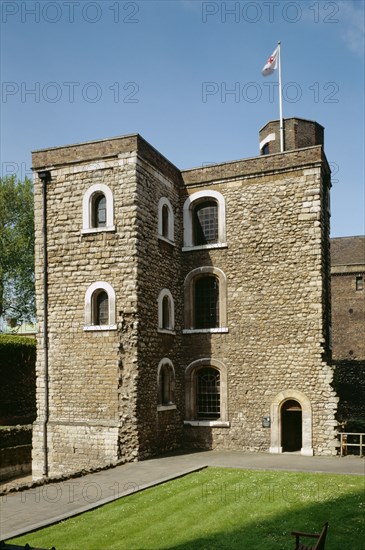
<point>81,70</point>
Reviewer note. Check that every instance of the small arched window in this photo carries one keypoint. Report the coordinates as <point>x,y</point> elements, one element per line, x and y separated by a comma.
<point>166,311</point>
<point>166,383</point>
<point>98,209</point>
<point>100,307</point>
<point>266,149</point>
<point>165,220</point>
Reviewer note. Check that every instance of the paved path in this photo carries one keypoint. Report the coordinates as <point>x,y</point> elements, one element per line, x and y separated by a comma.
<point>34,508</point>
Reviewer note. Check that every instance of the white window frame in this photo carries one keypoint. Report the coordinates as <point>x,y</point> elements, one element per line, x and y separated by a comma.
<point>165,292</point>
<point>87,209</point>
<point>164,201</point>
<point>188,221</point>
<point>90,296</point>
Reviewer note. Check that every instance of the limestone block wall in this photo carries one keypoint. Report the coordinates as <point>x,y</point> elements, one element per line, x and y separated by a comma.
<point>91,373</point>
<point>159,262</point>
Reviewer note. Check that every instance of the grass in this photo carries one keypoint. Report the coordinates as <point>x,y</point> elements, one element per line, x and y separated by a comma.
<point>219,508</point>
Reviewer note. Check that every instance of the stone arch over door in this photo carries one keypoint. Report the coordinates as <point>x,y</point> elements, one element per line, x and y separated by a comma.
<point>276,421</point>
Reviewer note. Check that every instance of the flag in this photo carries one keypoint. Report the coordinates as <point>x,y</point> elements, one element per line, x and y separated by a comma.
<point>271,64</point>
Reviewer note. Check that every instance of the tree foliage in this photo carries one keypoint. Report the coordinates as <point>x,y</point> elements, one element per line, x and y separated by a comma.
<point>17,294</point>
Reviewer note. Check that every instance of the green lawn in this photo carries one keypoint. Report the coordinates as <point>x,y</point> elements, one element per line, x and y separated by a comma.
<point>219,508</point>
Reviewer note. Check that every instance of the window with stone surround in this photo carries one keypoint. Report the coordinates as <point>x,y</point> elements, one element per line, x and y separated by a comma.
<point>204,220</point>
<point>205,300</point>
<point>166,385</point>
<point>166,311</point>
<point>206,393</point>
<point>165,228</point>
<point>98,209</point>
<point>100,307</point>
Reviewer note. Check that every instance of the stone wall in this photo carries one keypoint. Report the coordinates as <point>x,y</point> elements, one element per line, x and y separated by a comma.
<point>103,383</point>
<point>158,264</point>
<point>277,280</point>
<point>91,373</point>
<point>15,451</point>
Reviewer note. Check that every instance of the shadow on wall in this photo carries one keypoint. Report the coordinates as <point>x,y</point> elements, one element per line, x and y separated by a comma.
<point>349,384</point>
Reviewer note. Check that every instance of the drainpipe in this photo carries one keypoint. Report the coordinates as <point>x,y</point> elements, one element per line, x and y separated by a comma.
<point>45,177</point>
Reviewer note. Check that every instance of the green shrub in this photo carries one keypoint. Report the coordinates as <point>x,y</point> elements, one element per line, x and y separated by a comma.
<point>17,379</point>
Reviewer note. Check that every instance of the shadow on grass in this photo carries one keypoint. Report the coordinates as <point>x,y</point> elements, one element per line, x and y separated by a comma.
<point>17,547</point>
<point>344,514</point>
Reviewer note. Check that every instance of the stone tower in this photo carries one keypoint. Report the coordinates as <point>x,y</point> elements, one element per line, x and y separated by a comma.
<point>180,307</point>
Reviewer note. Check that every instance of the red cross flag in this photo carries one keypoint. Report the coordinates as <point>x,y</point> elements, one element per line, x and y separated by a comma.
<point>271,64</point>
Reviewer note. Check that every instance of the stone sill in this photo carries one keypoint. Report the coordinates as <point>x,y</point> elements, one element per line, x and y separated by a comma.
<point>205,330</point>
<point>204,247</point>
<point>91,230</point>
<point>166,331</point>
<point>100,327</point>
<point>166,408</point>
<point>211,423</point>
<point>166,240</point>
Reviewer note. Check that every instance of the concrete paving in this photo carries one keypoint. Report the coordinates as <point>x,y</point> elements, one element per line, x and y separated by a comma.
<point>31,509</point>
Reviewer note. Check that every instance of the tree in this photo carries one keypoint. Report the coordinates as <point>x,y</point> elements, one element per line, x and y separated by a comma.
<point>17,293</point>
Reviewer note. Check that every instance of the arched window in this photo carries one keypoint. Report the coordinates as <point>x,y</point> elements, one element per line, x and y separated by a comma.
<point>206,396</point>
<point>205,300</point>
<point>100,307</point>
<point>265,150</point>
<point>208,393</point>
<point>98,209</point>
<point>165,220</point>
<point>204,220</point>
<point>165,384</point>
<point>166,311</point>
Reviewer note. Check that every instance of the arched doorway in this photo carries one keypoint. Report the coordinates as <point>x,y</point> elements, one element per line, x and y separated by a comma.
<point>291,426</point>
<point>278,408</point>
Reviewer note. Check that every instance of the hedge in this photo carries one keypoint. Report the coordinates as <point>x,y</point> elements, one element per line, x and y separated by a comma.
<point>17,380</point>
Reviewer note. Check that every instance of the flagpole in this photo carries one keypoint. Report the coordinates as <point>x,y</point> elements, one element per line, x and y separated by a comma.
<point>280,102</point>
